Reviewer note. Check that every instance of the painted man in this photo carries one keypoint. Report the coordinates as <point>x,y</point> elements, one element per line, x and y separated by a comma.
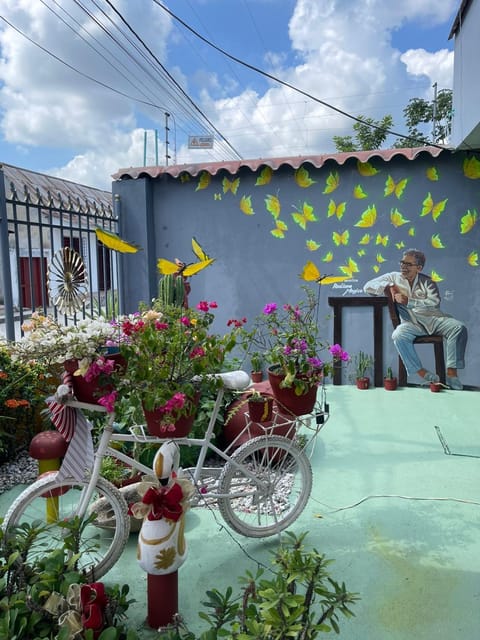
<point>418,304</point>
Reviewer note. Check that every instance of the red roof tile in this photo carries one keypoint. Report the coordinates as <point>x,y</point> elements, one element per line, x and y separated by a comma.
<point>233,166</point>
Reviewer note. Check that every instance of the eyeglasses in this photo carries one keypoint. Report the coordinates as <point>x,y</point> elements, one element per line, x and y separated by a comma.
<point>407,264</point>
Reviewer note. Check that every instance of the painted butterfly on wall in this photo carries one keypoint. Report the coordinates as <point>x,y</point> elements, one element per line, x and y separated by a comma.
<point>311,273</point>
<point>167,266</point>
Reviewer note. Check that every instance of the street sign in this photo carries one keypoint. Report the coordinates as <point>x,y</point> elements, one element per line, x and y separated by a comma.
<point>200,142</point>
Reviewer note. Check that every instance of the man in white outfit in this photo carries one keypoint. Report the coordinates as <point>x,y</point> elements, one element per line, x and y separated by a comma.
<point>418,303</point>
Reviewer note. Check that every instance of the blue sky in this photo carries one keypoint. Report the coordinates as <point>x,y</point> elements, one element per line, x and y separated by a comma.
<point>366,57</point>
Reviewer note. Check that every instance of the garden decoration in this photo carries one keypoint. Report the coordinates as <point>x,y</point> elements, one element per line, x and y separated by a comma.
<point>67,281</point>
<point>162,547</point>
<point>114,242</point>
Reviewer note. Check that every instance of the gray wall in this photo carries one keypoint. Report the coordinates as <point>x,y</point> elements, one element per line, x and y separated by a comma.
<point>253,266</point>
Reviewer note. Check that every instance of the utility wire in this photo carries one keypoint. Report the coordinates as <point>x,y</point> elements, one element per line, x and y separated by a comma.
<point>290,86</point>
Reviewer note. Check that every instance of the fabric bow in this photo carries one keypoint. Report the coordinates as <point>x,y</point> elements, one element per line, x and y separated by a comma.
<point>164,502</point>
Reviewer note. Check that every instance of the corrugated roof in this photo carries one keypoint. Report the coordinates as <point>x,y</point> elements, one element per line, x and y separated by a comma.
<point>233,166</point>
<point>36,184</point>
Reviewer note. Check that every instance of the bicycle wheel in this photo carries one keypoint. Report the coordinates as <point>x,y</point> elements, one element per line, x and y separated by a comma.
<point>265,486</point>
<point>52,503</point>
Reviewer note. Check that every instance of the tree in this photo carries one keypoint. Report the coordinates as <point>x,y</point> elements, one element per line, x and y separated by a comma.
<point>369,134</point>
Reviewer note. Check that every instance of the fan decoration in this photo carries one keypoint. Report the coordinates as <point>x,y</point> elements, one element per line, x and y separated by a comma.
<point>67,281</point>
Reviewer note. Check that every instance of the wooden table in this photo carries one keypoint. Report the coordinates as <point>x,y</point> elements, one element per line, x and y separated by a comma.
<point>377,303</point>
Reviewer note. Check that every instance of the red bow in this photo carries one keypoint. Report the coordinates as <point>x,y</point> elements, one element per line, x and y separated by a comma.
<point>93,601</point>
<point>165,502</point>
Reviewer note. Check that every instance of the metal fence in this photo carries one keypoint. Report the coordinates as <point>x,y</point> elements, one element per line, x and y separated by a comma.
<point>34,226</point>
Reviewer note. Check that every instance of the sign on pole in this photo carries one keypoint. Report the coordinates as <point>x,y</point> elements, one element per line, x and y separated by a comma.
<point>200,142</point>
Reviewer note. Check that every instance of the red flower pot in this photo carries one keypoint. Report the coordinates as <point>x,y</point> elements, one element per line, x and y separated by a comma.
<point>288,400</point>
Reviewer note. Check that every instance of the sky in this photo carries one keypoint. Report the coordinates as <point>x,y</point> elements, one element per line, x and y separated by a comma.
<point>91,86</point>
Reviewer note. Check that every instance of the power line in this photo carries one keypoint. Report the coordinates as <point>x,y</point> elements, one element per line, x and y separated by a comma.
<point>290,86</point>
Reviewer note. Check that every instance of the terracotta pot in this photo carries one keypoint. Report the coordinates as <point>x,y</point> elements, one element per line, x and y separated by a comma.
<point>390,384</point>
<point>287,398</point>
<point>183,425</point>
<point>261,410</point>
<point>435,387</point>
<point>90,391</point>
<point>256,376</point>
<point>363,383</point>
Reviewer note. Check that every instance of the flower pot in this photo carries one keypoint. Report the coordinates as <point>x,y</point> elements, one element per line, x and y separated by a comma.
<point>390,384</point>
<point>435,387</point>
<point>180,428</point>
<point>261,410</point>
<point>256,376</point>
<point>90,391</point>
<point>287,399</point>
<point>363,383</point>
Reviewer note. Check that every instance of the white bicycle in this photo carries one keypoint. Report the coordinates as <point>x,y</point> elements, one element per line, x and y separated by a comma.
<point>262,487</point>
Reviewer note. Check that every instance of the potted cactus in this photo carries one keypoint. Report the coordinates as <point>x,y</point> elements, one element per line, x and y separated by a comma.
<point>256,360</point>
<point>362,363</point>
<point>390,381</point>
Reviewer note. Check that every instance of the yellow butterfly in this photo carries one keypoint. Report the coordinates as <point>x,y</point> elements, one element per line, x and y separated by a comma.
<point>471,168</point>
<point>310,273</point>
<point>302,178</point>
<point>114,242</point>
<point>272,204</point>
<point>366,169</point>
<point>468,221</point>
<point>280,228</point>
<point>412,232</point>
<point>368,217</point>
<point>380,258</point>
<point>203,181</point>
<point>365,239</point>
<point>436,242</point>
<point>400,244</point>
<point>397,219</point>
<point>358,192</point>
<point>341,238</point>
<point>306,215</point>
<point>246,205</point>
<point>397,188</point>
<point>217,196</point>
<point>382,240</point>
<point>332,182</point>
<point>436,277</point>
<point>264,177</point>
<point>336,209</point>
<point>432,174</point>
<point>376,268</point>
<point>350,268</point>
<point>166,266</point>
<point>435,209</point>
<point>312,245</point>
<point>230,185</point>
<point>328,257</point>
<point>472,259</point>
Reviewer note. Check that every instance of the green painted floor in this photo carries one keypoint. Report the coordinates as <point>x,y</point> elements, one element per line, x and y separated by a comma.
<point>395,503</point>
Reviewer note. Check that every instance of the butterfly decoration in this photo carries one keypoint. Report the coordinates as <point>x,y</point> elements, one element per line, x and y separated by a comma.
<point>436,210</point>
<point>397,218</point>
<point>471,168</point>
<point>246,205</point>
<point>328,257</point>
<point>359,193</point>
<point>280,228</point>
<point>350,268</point>
<point>400,244</point>
<point>436,277</point>
<point>302,178</point>
<point>312,245</point>
<point>379,258</point>
<point>368,217</point>
<point>341,238</point>
<point>265,176</point>
<point>467,222</point>
<point>472,259</point>
<point>366,169</point>
<point>311,273</point>
<point>336,209</point>
<point>332,182</point>
<point>395,188</point>
<point>432,174</point>
<point>383,240</point>
<point>203,181</point>
<point>436,242</point>
<point>230,185</point>
<point>412,232</point>
<point>304,216</point>
<point>167,267</point>
<point>114,242</point>
<point>365,239</point>
<point>273,206</point>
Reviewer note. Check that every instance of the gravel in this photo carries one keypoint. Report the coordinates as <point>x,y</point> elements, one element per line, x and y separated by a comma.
<point>22,470</point>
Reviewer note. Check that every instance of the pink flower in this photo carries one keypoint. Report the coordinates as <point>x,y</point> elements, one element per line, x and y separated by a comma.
<point>108,401</point>
<point>202,305</point>
<point>197,352</point>
<point>213,305</point>
<point>270,308</point>
<point>161,326</point>
<point>185,321</point>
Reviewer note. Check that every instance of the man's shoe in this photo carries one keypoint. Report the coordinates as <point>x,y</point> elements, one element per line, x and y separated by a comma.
<point>454,383</point>
<point>431,377</point>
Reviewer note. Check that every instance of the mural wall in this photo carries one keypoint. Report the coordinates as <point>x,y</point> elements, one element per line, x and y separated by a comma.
<point>270,230</point>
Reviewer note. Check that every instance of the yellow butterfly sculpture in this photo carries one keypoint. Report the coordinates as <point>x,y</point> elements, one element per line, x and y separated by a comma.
<point>114,242</point>
<point>166,266</point>
<point>311,273</point>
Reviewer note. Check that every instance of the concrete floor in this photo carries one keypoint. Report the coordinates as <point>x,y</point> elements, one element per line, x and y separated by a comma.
<point>393,506</point>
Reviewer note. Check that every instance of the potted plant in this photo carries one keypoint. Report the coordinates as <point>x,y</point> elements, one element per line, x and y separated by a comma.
<point>362,363</point>
<point>170,353</point>
<point>260,406</point>
<point>256,361</point>
<point>289,339</point>
<point>390,381</point>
